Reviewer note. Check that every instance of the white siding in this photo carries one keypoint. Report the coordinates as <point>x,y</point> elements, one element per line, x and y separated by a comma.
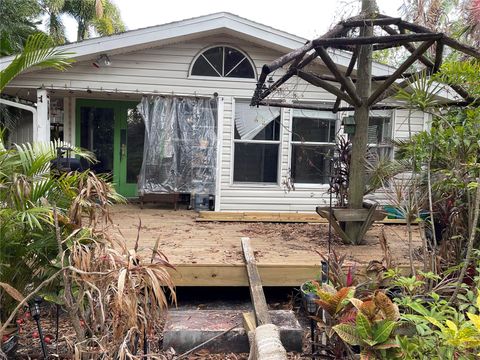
<point>165,71</point>
<point>24,131</point>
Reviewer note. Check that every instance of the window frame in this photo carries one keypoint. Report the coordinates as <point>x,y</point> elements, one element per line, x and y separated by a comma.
<point>385,114</point>
<point>254,184</point>
<point>223,78</point>
<point>336,119</point>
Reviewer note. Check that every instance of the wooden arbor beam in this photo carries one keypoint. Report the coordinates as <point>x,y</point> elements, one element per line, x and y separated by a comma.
<point>454,44</point>
<point>348,72</point>
<point>352,108</point>
<point>371,22</point>
<point>315,80</point>
<point>430,65</point>
<point>285,59</point>
<point>346,82</point>
<point>370,40</point>
<point>398,73</point>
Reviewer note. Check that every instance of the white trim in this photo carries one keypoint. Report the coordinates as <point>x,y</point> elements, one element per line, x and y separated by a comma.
<point>173,32</point>
<point>233,141</point>
<point>232,135</point>
<point>218,182</point>
<point>222,22</point>
<point>223,45</point>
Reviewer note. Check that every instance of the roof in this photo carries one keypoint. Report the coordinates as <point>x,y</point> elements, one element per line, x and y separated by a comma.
<point>183,30</point>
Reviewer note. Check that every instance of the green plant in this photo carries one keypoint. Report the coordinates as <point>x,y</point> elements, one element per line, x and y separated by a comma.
<point>441,331</point>
<point>28,192</point>
<point>38,51</point>
<point>374,327</point>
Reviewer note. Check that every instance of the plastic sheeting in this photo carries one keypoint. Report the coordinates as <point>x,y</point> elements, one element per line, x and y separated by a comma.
<point>180,149</point>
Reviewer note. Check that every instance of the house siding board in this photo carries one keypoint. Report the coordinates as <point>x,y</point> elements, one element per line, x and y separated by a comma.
<point>164,70</point>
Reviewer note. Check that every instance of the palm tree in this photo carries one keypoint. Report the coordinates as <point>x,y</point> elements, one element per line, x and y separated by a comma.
<point>19,20</point>
<point>457,18</point>
<point>101,16</point>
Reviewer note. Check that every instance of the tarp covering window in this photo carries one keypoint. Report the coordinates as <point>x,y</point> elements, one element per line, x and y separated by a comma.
<point>180,145</point>
<point>250,121</point>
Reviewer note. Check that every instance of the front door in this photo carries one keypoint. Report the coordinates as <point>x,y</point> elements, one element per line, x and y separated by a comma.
<point>114,131</point>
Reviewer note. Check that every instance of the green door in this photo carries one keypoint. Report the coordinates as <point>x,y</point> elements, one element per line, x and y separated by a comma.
<point>114,131</point>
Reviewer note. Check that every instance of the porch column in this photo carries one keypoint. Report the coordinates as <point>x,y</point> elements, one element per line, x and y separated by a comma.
<point>41,128</point>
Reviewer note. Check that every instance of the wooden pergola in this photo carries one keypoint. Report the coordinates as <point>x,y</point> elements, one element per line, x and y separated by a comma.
<point>356,35</point>
<point>397,33</point>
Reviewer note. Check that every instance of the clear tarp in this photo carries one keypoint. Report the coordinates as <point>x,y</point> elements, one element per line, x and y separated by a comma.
<point>180,145</point>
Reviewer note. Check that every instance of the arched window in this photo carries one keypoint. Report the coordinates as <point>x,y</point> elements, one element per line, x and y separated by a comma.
<point>223,61</point>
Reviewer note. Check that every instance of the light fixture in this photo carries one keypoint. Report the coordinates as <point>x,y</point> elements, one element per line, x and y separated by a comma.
<point>270,80</point>
<point>101,61</point>
<point>35,313</point>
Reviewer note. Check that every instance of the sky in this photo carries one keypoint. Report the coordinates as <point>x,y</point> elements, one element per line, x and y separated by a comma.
<point>307,18</point>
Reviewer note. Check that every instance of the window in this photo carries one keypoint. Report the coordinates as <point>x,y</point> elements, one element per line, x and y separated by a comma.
<point>313,142</point>
<point>256,144</point>
<point>380,136</point>
<point>223,61</point>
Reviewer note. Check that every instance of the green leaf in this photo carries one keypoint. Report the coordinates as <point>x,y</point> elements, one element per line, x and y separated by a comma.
<point>419,308</point>
<point>383,331</point>
<point>364,327</point>
<point>348,334</point>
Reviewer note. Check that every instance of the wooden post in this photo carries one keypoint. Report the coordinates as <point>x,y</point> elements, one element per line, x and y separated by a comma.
<point>359,140</point>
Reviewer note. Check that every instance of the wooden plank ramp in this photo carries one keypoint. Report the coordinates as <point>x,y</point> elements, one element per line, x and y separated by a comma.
<point>265,338</point>
<point>313,217</point>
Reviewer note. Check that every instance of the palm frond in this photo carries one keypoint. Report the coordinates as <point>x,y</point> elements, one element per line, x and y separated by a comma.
<point>38,51</point>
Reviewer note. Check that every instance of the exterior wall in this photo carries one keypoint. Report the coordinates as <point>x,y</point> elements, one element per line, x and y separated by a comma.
<point>165,71</point>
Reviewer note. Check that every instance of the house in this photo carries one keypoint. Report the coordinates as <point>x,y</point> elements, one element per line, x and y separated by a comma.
<point>257,152</point>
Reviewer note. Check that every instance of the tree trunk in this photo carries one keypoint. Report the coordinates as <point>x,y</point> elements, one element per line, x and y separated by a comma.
<point>359,139</point>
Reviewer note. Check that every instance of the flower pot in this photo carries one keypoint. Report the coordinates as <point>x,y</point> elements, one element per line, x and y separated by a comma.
<point>308,298</point>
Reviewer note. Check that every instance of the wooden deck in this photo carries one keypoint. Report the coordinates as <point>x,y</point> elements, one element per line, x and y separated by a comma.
<point>209,253</point>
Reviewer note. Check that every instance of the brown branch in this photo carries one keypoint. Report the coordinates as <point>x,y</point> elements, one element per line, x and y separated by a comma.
<point>315,80</point>
<point>349,70</point>
<point>371,22</point>
<point>369,40</point>
<point>346,84</point>
<point>280,104</point>
<point>438,56</point>
<point>428,63</point>
<point>259,95</point>
<point>282,60</point>
<point>471,241</point>
<point>70,306</point>
<point>375,96</point>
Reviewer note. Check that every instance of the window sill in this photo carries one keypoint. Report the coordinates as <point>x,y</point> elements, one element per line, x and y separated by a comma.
<point>304,186</point>
<point>250,185</point>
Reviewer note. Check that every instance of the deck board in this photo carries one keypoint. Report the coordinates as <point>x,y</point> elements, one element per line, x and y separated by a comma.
<point>209,253</point>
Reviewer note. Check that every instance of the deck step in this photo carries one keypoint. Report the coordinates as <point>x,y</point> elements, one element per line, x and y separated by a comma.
<point>185,329</point>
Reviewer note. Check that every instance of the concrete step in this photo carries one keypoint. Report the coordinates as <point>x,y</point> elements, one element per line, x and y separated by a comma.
<point>185,329</point>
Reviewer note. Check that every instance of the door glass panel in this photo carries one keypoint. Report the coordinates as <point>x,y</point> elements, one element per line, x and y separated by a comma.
<point>135,139</point>
<point>96,135</point>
